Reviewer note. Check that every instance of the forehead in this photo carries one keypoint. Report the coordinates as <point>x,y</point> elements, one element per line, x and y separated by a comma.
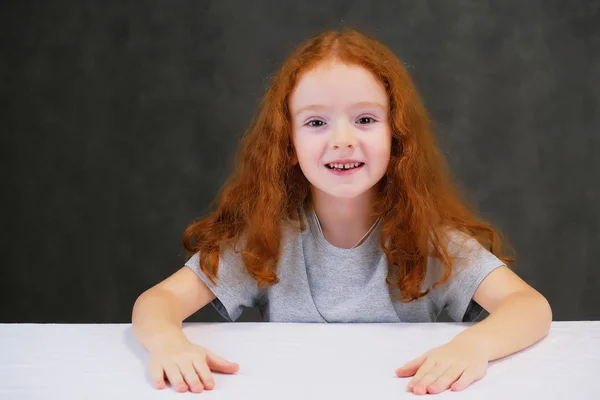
<point>337,84</point>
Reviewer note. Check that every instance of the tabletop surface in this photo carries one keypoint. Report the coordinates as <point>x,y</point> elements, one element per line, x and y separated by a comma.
<point>287,361</point>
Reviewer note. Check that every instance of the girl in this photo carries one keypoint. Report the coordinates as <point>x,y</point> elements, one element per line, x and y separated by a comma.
<point>342,210</point>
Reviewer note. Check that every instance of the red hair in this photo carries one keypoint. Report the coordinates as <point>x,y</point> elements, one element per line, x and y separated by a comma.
<point>417,198</point>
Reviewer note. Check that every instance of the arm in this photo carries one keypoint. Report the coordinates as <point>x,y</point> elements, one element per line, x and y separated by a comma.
<point>157,320</point>
<point>519,315</point>
<point>158,313</point>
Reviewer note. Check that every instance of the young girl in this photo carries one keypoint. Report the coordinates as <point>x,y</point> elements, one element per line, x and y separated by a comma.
<point>342,210</point>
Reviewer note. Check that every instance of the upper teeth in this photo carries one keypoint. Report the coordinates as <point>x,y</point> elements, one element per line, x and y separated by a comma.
<point>345,166</point>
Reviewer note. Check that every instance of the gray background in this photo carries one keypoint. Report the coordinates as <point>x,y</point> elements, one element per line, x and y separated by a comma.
<point>121,120</point>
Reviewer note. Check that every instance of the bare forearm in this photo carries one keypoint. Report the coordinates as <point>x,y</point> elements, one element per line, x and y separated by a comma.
<point>518,322</point>
<point>156,318</point>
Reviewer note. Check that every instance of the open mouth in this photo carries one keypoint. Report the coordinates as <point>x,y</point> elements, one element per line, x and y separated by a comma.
<point>344,167</point>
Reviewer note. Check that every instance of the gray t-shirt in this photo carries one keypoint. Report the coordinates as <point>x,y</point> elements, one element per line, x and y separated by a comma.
<point>319,282</point>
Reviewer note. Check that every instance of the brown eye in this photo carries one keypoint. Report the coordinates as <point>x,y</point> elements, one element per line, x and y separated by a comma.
<point>365,120</point>
<point>315,123</point>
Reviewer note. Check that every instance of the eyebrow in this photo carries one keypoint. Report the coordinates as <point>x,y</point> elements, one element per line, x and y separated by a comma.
<point>319,107</point>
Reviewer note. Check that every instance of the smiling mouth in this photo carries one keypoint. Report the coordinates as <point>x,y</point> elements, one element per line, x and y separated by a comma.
<point>344,167</point>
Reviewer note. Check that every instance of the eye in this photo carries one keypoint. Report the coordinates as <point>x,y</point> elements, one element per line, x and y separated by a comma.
<point>315,123</point>
<point>366,120</point>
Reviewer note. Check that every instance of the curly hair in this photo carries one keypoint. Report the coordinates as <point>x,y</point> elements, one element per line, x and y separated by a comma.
<point>417,199</point>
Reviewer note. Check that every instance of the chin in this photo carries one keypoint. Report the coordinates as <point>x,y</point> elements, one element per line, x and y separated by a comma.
<point>345,193</point>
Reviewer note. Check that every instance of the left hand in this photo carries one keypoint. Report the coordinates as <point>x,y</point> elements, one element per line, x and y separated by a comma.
<point>454,365</point>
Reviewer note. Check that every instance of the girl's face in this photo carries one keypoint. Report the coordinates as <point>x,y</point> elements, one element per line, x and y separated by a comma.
<point>340,128</point>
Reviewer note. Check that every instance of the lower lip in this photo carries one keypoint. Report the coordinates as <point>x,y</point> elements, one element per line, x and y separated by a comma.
<point>345,172</point>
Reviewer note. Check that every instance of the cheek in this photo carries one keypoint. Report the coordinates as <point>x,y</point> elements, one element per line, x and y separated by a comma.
<point>298,148</point>
<point>302,159</point>
<point>380,148</point>
<point>307,151</point>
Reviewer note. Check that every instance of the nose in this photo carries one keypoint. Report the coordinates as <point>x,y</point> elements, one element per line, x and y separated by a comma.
<point>342,138</point>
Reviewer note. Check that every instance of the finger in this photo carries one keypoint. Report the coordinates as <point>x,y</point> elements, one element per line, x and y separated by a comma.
<point>204,374</point>
<point>175,378</point>
<point>444,381</point>
<point>421,386</point>
<point>157,375</point>
<point>468,376</point>
<point>219,364</point>
<point>191,377</point>
<point>421,372</point>
<point>410,368</point>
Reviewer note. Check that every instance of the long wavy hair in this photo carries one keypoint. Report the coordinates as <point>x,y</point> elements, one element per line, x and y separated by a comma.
<point>417,199</point>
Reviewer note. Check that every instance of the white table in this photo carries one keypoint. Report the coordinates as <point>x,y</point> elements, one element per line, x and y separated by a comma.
<point>287,361</point>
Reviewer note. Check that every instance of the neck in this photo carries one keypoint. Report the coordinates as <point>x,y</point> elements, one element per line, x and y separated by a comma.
<point>343,221</point>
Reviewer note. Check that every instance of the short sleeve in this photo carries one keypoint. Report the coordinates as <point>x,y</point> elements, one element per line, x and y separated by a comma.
<point>472,263</point>
<point>235,288</point>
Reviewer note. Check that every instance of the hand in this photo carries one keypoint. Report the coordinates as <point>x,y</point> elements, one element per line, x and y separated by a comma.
<point>454,365</point>
<point>187,366</point>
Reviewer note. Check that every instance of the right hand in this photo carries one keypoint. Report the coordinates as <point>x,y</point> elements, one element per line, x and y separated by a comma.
<point>187,366</point>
